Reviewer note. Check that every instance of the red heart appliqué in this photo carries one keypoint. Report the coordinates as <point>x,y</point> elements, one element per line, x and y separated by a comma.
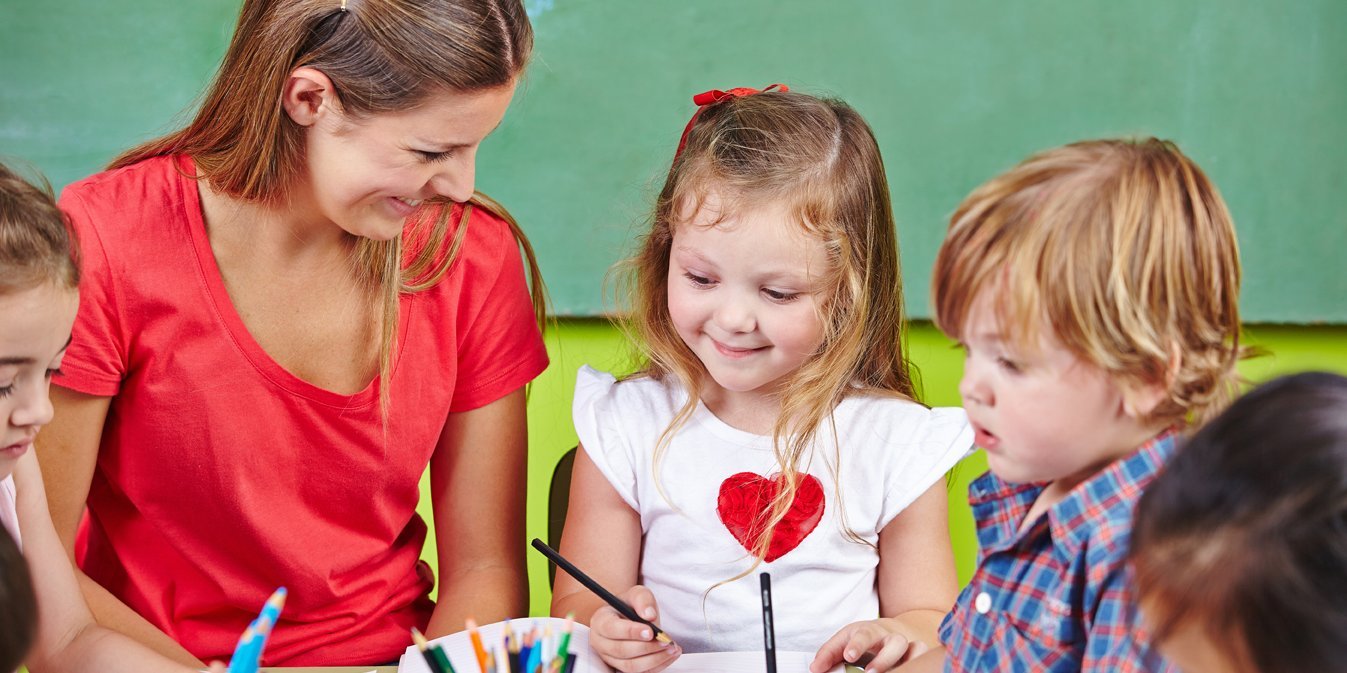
<point>745,498</point>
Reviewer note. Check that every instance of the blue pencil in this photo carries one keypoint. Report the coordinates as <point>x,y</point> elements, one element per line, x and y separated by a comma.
<point>248,653</point>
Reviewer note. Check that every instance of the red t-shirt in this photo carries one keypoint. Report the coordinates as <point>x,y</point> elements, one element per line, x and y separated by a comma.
<point>222,476</point>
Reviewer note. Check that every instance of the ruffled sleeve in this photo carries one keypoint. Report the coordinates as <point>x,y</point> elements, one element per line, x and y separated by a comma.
<point>933,444</point>
<point>599,424</point>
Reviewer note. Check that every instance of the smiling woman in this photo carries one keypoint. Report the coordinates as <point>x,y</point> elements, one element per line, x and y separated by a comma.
<point>293,305</point>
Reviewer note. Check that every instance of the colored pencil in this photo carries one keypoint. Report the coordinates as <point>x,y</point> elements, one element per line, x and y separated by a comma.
<point>477,647</point>
<point>424,647</point>
<point>248,653</point>
<point>607,596</point>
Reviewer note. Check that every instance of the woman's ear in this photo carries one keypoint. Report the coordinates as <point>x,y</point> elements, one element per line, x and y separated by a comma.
<point>308,95</point>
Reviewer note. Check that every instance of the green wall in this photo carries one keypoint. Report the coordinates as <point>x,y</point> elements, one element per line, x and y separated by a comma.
<point>594,342</point>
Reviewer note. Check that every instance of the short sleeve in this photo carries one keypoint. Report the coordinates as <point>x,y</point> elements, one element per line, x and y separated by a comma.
<point>96,361</point>
<point>598,423</point>
<point>942,438</point>
<point>501,348</point>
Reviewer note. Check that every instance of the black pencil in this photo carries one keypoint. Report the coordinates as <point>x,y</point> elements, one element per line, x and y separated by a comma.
<point>598,590</point>
<point>768,631</point>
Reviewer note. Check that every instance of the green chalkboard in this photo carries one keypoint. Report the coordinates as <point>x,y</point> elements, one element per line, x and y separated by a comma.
<point>956,90</point>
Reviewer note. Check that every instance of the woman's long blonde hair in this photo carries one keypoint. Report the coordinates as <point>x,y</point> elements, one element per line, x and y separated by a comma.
<point>819,156</point>
<point>381,56</point>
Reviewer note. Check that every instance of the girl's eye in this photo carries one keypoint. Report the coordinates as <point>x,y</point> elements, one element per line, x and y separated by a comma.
<point>432,157</point>
<point>701,281</point>
<point>7,391</point>
<point>779,296</point>
<point>1008,365</point>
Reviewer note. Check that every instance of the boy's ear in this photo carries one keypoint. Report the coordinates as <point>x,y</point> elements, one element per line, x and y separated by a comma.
<point>308,95</point>
<point>1140,399</point>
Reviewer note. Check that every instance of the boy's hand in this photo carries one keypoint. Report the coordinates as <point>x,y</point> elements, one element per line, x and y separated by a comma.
<point>631,646</point>
<point>877,645</point>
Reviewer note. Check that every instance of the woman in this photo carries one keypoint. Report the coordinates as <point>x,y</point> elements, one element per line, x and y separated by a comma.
<point>287,316</point>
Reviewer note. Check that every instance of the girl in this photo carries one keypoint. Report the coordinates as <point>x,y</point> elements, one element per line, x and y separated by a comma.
<point>774,425</point>
<point>39,274</point>
<point>1240,546</point>
<point>293,305</point>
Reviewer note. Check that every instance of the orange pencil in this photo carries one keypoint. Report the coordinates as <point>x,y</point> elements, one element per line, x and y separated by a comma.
<point>477,645</point>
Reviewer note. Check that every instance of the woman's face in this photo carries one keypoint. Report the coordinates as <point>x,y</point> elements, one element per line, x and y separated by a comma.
<point>369,175</point>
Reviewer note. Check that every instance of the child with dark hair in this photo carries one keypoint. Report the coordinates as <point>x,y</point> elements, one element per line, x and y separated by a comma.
<point>18,608</point>
<point>1240,546</point>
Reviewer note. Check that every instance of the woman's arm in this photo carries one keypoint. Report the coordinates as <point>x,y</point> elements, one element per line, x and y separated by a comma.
<point>917,584</point>
<point>68,639</point>
<point>478,484</point>
<point>68,449</point>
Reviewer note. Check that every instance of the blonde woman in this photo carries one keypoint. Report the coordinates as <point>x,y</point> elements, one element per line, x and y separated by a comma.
<point>291,308</point>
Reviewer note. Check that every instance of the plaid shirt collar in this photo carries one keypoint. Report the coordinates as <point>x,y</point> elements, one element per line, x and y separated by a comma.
<point>1000,506</point>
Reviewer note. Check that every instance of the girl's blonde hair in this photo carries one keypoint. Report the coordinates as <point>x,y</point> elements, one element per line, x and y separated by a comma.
<point>381,56</point>
<point>37,245</point>
<point>1124,248</point>
<point>819,157</point>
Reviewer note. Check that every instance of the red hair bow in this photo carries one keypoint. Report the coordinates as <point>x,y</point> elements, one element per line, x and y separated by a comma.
<point>707,98</point>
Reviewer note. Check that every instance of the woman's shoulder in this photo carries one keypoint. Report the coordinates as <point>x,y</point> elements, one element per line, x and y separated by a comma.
<point>133,183</point>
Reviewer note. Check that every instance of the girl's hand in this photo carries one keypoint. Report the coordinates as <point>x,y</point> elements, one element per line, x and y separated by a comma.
<point>631,646</point>
<point>877,645</point>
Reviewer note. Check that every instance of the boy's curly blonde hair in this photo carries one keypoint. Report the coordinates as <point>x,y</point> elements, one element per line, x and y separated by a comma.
<point>1125,249</point>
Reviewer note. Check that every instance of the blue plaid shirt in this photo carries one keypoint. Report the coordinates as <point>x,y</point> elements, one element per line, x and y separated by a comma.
<point>1057,596</point>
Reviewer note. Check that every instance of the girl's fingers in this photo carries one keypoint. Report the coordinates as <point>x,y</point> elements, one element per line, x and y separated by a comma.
<point>888,656</point>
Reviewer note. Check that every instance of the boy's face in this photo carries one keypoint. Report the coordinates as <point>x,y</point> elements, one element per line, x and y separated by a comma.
<point>34,333</point>
<point>1040,412</point>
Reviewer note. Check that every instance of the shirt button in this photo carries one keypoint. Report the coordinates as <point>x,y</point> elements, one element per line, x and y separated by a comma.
<point>983,603</point>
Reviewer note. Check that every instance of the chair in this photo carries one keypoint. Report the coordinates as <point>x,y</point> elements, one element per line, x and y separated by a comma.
<point>558,498</point>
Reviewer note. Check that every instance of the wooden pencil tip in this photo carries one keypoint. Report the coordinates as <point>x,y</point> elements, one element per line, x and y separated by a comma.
<point>664,638</point>
<point>419,639</point>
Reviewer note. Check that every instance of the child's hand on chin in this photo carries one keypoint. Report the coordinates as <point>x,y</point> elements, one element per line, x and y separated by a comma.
<point>877,645</point>
<point>631,646</point>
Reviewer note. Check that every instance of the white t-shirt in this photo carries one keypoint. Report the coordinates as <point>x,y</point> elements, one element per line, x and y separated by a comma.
<point>9,511</point>
<point>893,450</point>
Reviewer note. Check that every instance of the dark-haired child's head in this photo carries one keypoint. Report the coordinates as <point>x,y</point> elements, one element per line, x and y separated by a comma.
<point>39,276</point>
<point>1240,546</point>
<point>18,605</point>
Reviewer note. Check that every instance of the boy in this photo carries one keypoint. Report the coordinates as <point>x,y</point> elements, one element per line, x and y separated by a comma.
<point>1094,289</point>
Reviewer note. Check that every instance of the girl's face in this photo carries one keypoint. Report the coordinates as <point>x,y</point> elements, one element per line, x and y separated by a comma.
<point>34,333</point>
<point>369,175</point>
<point>744,294</point>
